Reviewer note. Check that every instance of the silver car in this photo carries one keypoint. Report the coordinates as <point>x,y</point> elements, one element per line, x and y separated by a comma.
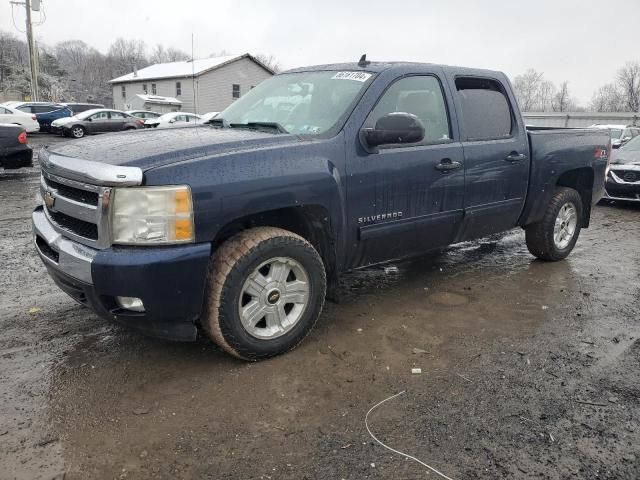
<point>99,120</point>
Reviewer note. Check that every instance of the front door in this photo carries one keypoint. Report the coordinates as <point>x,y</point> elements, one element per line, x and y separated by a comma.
<point>496,156</point>
<point>406,199</point>
<point>99,122</point>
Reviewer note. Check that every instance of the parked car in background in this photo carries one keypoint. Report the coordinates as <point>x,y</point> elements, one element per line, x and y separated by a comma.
<point>173,119</point>
<point>620,134</point>
<point>14,151</point>
<point>46,112</point>
<point>16,117</point>
<point>99,120</point>
<point>623,179</point>
<point>144,114</point>
<point>77,108</point>
<point>208,116</point>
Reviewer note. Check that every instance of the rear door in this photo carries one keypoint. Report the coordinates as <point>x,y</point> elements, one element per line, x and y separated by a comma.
<point>401,199</point>
<point>496,154</point>
<point>6,116</point>
<point>117,122</point>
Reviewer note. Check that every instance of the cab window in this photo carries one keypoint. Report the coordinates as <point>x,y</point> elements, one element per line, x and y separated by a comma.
<point>420,95</point>
<point>486,112</point>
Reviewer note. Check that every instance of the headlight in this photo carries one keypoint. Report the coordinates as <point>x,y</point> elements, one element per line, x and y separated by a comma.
<point>152,215</point>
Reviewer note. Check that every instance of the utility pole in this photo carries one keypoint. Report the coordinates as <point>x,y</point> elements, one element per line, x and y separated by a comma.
<point>31,43</point>
<point>33,53</point>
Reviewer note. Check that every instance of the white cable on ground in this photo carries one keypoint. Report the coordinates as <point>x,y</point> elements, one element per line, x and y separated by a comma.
<point>366,423</point>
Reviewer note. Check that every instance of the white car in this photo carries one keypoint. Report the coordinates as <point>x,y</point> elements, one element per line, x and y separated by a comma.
<point>208,116</point>
<point>16,117</point>
<point>620,134</point>
<point>173,119</point>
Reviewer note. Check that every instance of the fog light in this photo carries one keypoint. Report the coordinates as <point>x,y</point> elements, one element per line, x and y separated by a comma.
<point>130,303</point>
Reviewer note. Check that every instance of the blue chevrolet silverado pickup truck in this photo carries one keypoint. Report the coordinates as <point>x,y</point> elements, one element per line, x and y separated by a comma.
<point>241,228</point>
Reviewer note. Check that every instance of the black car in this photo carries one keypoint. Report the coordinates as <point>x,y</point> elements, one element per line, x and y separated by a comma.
<point>14,151</point>
<point>77,108</point>
<point>623,179</point>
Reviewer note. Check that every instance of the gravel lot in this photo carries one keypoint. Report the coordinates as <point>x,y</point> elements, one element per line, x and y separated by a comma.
<point>529,370</point>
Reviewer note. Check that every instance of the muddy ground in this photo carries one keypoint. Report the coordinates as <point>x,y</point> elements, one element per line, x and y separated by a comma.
<point>529,370</point>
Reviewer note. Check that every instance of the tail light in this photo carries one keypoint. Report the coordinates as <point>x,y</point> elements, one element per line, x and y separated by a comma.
<point>140,122</point>
<point>22,138</point>
<point>33,117</point>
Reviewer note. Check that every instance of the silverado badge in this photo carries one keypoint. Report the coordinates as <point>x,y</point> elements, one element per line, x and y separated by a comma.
<point>49,199</point>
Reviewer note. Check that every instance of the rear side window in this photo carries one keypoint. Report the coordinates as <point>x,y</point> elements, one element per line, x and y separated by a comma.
<point>486,113</point>
<point>26,109</point>
<point>43,108</point>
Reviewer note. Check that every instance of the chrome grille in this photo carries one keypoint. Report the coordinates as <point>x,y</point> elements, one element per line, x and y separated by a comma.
<point>77,210</point>
<point>77,194</point>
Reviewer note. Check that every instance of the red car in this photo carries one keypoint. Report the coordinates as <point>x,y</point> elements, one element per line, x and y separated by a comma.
<point>14,151</point>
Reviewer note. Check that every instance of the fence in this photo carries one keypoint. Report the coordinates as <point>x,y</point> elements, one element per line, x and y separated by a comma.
<point>579,119</point>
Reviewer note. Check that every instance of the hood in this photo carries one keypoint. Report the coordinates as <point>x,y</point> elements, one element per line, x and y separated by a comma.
<point>623,158</point>
<point>64,120</point>
<point>147,149</point>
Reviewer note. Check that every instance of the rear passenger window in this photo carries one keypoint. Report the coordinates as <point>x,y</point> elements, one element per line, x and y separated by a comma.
<point>422,96</point>
<point>486,114</point>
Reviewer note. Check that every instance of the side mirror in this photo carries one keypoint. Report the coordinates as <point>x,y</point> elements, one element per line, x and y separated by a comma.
<point>394,128</point>
<point>89,119</point>
<point>173,120</point>
<point>626,139</point>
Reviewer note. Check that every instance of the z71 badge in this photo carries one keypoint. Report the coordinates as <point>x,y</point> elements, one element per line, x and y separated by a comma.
<point>382,216</point>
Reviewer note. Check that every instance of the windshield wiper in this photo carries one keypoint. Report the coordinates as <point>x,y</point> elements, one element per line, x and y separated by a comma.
<point>258,125</point>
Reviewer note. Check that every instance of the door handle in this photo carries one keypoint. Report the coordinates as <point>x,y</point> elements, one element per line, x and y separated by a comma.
<point>515,157</point>
<point>447,165</point>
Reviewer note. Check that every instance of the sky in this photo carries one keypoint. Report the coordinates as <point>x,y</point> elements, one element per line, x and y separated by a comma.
<point>584,42</point>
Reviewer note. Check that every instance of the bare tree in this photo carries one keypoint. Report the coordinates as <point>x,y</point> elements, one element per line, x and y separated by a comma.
<point>562,101</point>
<point>607,99</point>
<point>545,96</point>
<point>628,80</point>
<point>221,53</point>
<point>127,55</point>
<point>159,54</point>
<point>526,87</point>
<point>269,60</point>
<point>534,92</point>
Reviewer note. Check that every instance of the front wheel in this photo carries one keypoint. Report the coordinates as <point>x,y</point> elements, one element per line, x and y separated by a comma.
<point>77,131</point>
<point>554,237</point>
<point>266,288</point>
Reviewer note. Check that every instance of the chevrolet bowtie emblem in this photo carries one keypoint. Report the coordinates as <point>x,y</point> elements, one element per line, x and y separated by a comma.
<point>49,199</point>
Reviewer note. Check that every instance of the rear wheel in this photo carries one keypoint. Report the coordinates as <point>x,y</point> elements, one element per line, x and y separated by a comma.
<point>265,292</point>
<point>554,237</point>
<point>77,131</point>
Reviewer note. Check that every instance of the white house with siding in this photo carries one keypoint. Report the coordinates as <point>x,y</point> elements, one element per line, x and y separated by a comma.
<point>198,86</point>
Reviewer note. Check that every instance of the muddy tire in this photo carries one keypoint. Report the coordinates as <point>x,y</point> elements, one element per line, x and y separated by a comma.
<point>265,291</point>
<point>554,237</point>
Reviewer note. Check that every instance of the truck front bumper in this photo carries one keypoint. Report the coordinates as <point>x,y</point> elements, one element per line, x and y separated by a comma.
<point>170,281</point>
<point>617,187</point>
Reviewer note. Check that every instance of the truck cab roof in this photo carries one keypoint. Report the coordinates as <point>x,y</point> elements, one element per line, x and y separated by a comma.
<point>379,67</point>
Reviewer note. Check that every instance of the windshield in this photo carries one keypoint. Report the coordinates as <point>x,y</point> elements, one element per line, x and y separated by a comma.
<point>302,103</point>
<point>86,114</point>
<point>632,145</point>
<point>616,133</point>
